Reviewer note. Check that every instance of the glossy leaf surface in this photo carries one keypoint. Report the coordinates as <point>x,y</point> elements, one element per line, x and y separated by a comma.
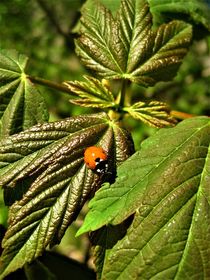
<point>49,159</point>
<point>126,47</point>
<point>21,104</point>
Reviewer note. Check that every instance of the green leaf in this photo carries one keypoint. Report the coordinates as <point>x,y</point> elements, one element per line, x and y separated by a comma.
<point>103,240</point>
<point>3,212</point>
<point>196,11</point>
<point>97,44</point>
<point>126,47</point>
<point>169,237</point>
<point>21,104</point>
<point>160,180</point>
<point>49,158</point>
<point>154,113</point>
<point>113,6</point>
<point>92,93</point>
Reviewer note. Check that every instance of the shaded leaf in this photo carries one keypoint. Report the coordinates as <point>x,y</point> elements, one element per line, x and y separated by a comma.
<point>125,47</point>
<point>2,232</point>
<point>52,155</point>
<point>21,104</point>
<point>154,113</point>
<point>37,270</point>
<point>92,93</point>
<point>103,240</point>
<point>197,11</point>
<point>60,267</point>
<point>51,266</point>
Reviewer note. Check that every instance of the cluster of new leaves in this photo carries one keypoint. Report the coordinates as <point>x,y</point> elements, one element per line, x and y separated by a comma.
<point>154,113</point>
<point>92,93</point>
<point>126,47</point>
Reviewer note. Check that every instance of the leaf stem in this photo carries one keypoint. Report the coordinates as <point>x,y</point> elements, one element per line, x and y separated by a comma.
<point>50,84</point>
<point>181,115</point>
<point>122,93</point>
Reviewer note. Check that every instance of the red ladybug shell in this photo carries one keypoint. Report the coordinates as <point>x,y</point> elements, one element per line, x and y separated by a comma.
<point>93,156</point>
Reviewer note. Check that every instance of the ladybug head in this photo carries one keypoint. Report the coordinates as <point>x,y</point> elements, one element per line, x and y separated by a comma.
<point>101,166</point>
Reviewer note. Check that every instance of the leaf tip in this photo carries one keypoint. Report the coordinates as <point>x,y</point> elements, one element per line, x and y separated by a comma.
<point>83,229</point>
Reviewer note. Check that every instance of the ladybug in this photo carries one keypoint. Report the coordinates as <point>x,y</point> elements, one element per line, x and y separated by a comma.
<point>96,159</point>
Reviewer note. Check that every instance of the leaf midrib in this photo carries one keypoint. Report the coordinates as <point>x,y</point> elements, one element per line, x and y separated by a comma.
<point>190,230</point>
<point>11,71</point>
<point>103,40</point>
<point>132,35</point>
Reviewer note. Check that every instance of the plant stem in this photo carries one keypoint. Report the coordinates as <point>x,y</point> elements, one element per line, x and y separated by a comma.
<point>181,115</point>
<point>53,19</point>
<point>50,84</point>
<point>122,93</point>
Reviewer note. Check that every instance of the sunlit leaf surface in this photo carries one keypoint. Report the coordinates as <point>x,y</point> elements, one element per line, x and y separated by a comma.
<point>167,184</point>
<point>126,47</point>
<point>91,93</point>
<point>154,113</point>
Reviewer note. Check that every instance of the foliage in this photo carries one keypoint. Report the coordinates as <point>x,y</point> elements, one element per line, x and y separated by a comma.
<point>125,47</point>
<point>196,11</point>
<point>22,106</point>
<point>167,187</point>
<point>149,215</point>
<point>92,93</point>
